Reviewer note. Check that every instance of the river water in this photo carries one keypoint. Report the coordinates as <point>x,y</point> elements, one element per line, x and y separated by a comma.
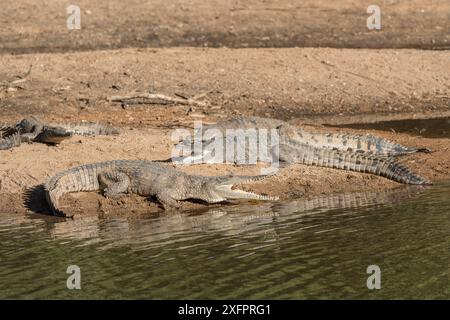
<point>304,249</point>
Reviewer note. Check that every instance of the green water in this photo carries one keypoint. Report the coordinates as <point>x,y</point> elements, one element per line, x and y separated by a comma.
<point>309,248</point>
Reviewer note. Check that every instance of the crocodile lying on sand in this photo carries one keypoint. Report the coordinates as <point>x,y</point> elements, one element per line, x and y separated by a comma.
<point>32,129</point>
<point>146,178</point>
<point>361,153</point>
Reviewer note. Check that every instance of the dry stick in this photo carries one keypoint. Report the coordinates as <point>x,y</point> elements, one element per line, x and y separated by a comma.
<point>26,74</point>
<point>17,81</point>
<point>350,72</point>
<point>346,71</point>
<point>158,96</point>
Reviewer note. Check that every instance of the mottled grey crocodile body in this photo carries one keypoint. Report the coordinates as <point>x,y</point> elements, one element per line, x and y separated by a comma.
<point>32,129</point>
<point>367,144</point>
<point>9,137</point>
<point>146,178</point>
<point>345,142</point>
<point>361,153</point>
<point>88,129</point>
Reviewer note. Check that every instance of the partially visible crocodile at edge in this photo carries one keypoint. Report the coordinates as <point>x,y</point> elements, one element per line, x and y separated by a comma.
<point>31,129</point>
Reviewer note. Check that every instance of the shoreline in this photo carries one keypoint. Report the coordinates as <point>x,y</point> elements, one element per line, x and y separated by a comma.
<point>18,174</point>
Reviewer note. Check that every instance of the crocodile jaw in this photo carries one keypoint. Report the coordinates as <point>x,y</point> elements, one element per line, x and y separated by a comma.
<point>226,191</point>
<point>53,135</point>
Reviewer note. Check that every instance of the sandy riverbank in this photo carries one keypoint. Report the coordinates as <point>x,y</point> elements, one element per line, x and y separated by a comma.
<point>307,87</point>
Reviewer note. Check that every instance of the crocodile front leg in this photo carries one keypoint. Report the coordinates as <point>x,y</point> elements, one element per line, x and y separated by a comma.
<point>27,137</point>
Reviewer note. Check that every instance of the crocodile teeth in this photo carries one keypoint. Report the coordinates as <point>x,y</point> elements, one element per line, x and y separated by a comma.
<point>230,193</point>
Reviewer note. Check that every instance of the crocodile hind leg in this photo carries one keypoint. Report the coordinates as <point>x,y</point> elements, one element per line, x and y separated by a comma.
<point>115,183</point>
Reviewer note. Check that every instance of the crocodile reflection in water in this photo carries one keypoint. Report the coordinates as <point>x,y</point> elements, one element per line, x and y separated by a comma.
<point>230,220</point>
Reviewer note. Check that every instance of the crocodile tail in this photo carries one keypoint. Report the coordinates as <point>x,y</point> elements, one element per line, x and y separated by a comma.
<point>89,129</point>
<point>386,167</point>
<point>372,145</point>
<point>9,138</point>
<point>347,142</point>
<point>82,178</point>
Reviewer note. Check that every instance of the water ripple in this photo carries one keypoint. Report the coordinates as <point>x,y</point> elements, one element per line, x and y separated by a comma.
<point>308,248</point>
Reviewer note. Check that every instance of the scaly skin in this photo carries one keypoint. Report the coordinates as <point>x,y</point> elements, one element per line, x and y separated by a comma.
<point>9,138</point>
<point>32,129</point>
<point>345,142</point>
<point>348,152</point>
<point>388,167</point>
<point>367,144</point>
<point>146,178</point>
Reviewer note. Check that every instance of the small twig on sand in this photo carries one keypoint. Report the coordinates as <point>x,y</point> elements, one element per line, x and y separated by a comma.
<point>157,98</point>
<point>26,74</point>
<point>327,63</point>
<point>17,81</point>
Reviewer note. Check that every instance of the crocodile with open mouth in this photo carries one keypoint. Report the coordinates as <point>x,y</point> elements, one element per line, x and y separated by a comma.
<point>147,178</point>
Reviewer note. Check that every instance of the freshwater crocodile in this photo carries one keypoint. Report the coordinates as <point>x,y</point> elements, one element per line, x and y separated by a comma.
<point>361,153</point>
<point>31,129</point>
<point>146,178</point>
